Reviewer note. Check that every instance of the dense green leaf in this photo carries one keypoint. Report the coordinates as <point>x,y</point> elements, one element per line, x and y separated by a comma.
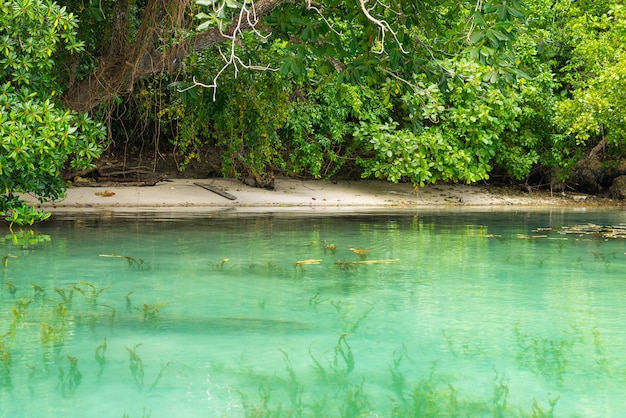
<point>37,138</point>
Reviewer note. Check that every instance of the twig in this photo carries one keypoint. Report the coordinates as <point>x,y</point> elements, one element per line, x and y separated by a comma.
<point>383,25</point>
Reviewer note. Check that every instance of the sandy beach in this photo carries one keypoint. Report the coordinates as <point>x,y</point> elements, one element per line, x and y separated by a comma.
<point>293,193</point>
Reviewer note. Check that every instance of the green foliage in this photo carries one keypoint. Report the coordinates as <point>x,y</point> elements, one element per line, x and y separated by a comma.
<point>346,91</point>
<point>37,137</point>
<point>461,127</point>
<point>494,28</point>
<point>401,90</point>
<point>596,109</point>
<point>536,141</point>
<point>570,51</point>
<point>321,123</point>
<point>216,13</point>
<point>30,34</point>
<point>247,127</point>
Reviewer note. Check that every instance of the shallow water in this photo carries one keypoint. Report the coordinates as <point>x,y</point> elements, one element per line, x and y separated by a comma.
<point>446,313</point>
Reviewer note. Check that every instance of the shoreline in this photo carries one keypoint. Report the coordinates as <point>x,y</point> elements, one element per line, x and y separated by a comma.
<point>191,194</point>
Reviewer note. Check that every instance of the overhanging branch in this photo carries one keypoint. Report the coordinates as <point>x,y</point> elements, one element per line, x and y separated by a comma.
<point>116,75</point>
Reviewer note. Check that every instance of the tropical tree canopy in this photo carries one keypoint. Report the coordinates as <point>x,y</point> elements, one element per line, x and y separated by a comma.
<point>400,90</point>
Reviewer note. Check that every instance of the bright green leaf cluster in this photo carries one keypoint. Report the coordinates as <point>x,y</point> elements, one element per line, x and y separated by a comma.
<point>462,127</point>
<point>596,109</point>
<point>37,137</point>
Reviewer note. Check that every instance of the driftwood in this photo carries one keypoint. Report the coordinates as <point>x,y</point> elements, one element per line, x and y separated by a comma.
<point>216,190</point>
<point>305,262</point>
<point>591,230</point>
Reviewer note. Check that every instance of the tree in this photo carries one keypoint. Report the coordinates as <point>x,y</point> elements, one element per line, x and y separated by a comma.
<point>595,112</point>
<point>144,38</point>
<point>148,38</point>
<point>37,136</point>
<point>419,89</point>
<point>400,46</point>
<point>403,90</point>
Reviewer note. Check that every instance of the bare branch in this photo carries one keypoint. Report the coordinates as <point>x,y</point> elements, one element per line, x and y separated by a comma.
<point>479,5</point>
<point>383,26</point>
<point>247,19</point>
<point>317,9</point>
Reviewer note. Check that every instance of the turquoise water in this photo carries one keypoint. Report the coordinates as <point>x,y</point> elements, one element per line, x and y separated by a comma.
<point>455,313</point>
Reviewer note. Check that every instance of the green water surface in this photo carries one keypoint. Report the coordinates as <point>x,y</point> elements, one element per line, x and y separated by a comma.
<point>444,313</point>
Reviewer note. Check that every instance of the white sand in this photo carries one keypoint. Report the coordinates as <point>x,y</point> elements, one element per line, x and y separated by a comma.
<point>290,193</point>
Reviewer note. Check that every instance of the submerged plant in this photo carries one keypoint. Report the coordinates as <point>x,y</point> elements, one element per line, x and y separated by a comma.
<point>40,292</point>
<point>164,367</point>
<point>70,380</point>
<point>100,356</point>
<point>269,267</point>
<point>52,338</point>
<point>294,387</point>
<point>343,350</point>
<point>135,366</point>
<point>538,412</point>
<point>113,315</point>
<point>398,380</point>
<point>52,335</point>
<point>434,396</point>
<point>316,300</point>
<point>132,262</point>
<point>5,259</point>
<point>151,314</point>
<point>355,402</point>
<point>340,367</point>
<point>143,415</point>
<point>129,303</point>
<point>90,292</point>
<point>6,364</point>
<point>261,409</point>
<point>219,266</point>
<point>66,296</point>
<point>19,312</point>
<point>544,356</point>
<point>428,399</point>
<point>344,393</point>
<point>500,394</point>
<point>348,322</point>
<point>602,361</point>
<point>11,288</point>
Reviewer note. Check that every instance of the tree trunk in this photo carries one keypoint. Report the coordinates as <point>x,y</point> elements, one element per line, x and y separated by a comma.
<point>125,64</point>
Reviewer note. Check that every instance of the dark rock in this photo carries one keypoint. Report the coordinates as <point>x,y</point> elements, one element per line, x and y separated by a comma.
<point>589,176</point>
<point>618,187</point>
<point>262,182</point>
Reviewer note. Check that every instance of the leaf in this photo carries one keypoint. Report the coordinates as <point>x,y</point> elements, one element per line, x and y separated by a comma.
<point>485,51</point>
<point>285,67</point>
<point>479,19</point>
<point>233,4</point>
<point>515,12</point>
<point>501,36</point>
<point>477,36</point>
<point>502,12</point>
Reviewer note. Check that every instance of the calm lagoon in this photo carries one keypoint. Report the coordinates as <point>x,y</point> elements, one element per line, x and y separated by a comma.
<point>230,314</point>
